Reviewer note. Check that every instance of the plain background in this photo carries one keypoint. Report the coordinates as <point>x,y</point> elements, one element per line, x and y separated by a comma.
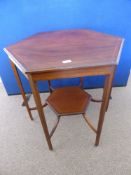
<point>20,19</point>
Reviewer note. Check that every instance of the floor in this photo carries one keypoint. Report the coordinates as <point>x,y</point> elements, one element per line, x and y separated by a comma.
<point>23,149</point>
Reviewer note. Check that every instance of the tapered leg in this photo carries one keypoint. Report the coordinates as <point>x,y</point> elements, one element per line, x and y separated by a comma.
<point>21,89</point>
<point>110,91</point>
<point>109,99</point>
<point>105,101</point>
<point>40,109</point>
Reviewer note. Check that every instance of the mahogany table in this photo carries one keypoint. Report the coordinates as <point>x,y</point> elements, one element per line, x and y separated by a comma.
<point>65,54</point>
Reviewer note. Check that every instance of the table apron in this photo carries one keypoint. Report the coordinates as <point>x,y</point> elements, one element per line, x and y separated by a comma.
<point>72,73</point>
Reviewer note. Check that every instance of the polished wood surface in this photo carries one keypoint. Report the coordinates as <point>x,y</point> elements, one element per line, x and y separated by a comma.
<point>64,50</point>
<point>69,100</point>
<point>66,54</point>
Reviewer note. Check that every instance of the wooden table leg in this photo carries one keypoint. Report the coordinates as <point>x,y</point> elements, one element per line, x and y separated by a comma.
<point>21,88</point>
<point>37,99</point>
<point>105,101</point>
<point>110,90</point>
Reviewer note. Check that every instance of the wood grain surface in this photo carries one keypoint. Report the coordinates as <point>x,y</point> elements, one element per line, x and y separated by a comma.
<point>64,50</point>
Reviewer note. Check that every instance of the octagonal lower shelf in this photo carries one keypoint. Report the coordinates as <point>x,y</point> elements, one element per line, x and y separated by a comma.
<point>69,101</point>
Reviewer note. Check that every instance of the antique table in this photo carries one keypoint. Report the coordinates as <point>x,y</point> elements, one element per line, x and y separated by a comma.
<point>65,54</point>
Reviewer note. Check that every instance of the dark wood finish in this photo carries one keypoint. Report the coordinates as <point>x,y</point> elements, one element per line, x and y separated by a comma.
<point>69,101</point>
<point>66,54</point>
<point>27,99</point>
<point>110,89</point>
<point>35,108</point>
<point>48,50</point>
<point>105,101</point>
<point>89,123</point>
<point>96,100</point>
<point>55,126</point>
<point>81,85</point>
<point>50,87</point>
<point>21,88</point>
<point>72,73</point>
<point>40,110</point>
